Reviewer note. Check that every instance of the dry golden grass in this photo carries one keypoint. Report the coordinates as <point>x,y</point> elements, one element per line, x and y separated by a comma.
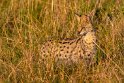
<point>26,24</point>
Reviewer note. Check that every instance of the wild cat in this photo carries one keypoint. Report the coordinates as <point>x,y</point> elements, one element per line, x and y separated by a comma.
<point>69,51</point>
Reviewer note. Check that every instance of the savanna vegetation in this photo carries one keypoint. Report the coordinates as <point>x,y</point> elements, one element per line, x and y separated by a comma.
<point>26,24</point>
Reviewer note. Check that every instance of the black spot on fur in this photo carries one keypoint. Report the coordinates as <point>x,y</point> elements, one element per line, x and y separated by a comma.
<point>57,55</point>
<point>65,55</point>
<point>65,42</point>
<point>67,47</point>
<point>60,55</point>
<point>88,54</point>
<point>61,50</point>
<point>67,52</point>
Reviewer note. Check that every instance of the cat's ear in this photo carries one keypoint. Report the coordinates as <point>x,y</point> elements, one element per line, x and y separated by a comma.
<point>78,17</point>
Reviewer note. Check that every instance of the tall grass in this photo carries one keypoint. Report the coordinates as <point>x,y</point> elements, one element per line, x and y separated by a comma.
<point>26,24</point>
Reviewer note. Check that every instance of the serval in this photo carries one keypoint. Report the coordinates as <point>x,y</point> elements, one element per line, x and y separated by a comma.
<point>70,51</point>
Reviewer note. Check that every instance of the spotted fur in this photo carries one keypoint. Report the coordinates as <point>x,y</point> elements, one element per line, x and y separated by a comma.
<point>70,51</point>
